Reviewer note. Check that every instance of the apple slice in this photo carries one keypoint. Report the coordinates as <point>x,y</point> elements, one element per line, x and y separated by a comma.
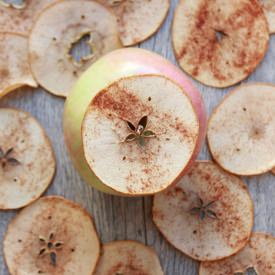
<point>138,19</point>
<point>145,129</point>
<point>269,9</point>
<point>128,258</point>
<point>241,130</point>
<point>52,236</point>
<point>219,43</point>
<point>14,65</point>
<point>257,258</point>
<point>57,30</point>
<point>208,215</point>
<point>273,171</point>
<point>20,18</point>
<point>27,163</point>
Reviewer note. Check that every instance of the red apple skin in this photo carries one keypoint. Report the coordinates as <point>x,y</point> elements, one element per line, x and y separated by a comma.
<point>108,69</point>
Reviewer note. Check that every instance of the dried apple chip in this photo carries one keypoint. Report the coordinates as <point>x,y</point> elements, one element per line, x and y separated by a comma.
<point>219,42</point>
<point>51,236</point>
<point>146,128</point>
<point>241,130</point>
<point>14,65</point>
<point>138,19</point>
<point>208,215</point>
<point>20,18</point>
<point>56,32</point>
<point>257,258</point>
<point>27,163</point>
<point>128,258</point>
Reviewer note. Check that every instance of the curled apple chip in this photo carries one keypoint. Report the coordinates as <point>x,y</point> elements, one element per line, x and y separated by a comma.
<point>145,129</point>
<point>220,42</point>
<point>27,163</point>
<point>208,215</point>
<point>257,258</point>
<point>128,258</point>
<point>138,19</point>
<point>269,9</point>
<point>14,66</point>
<point>241,130</point>
<point>51,236</point>
<point>20,18</point>
<point>57,30</point>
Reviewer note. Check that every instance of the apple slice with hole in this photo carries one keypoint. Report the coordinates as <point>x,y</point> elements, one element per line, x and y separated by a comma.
<point>241,130</point>
<point>15,69</point>
<point>128,257</point>
<point>51,236</point>
<point>208,215</point>
<point>57,30</point>
<point>269,9</point>
<point>125,86</point>
<point>27,163</point>
<point>20,17</point>
<point>258,257</point>
<point>138,20</point>
<point>219,43</point>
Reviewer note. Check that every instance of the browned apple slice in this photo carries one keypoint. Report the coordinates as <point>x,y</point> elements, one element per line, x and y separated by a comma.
<point>208,215</point>
<point>20,18</point>
<point>27,163</point>
<point>55,33</point>
<point>138,19</point>
<point>220,42</point>
<point>139,134</point>
<point>128,258</point>
<point>52,236</point>
<point>241,130</point>
<point>257,258</point>
<point>14,65</point>
<point>273,171</point>
<point>269,9</point>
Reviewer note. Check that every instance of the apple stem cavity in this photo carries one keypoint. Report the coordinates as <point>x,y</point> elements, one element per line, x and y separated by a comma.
<point>203,210</point>
<point>139,133</point>
<point>5,158</point>
<point>50,247</point>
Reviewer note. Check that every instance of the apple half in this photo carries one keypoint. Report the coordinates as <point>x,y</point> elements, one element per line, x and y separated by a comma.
<point>158,87</point>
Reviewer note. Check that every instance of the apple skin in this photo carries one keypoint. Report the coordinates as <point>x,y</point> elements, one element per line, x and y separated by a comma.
<point>108,69</point>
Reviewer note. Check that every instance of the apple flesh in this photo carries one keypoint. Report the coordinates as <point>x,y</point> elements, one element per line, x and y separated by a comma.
<point>110,68</point>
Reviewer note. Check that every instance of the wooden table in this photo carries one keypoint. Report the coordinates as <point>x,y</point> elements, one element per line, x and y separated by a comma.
<point>131,218</point>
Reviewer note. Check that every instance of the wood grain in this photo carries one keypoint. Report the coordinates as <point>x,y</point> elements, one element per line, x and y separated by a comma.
<point>123,218</point>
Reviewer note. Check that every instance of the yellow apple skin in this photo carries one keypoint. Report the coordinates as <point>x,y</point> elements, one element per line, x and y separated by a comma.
<point>108,69</point>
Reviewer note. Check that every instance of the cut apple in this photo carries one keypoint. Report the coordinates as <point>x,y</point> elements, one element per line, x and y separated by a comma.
<point>208,215</point>
<point>273,171</point>
<point>52,236</point>
<point>269,9</point>
<point>107,70</point>
<point>20,18</point>
<point>138,19</point>
<point>257,258</point>
<point>27,163</point>
<point>128,258</point>
<point>241,130</point>
<point>145,128</point>
<point>14,65</point>
<point>219,43</point>
<point>57,30</point>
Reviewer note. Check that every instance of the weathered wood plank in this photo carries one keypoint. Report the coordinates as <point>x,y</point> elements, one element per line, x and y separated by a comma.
<point>123,218</point>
